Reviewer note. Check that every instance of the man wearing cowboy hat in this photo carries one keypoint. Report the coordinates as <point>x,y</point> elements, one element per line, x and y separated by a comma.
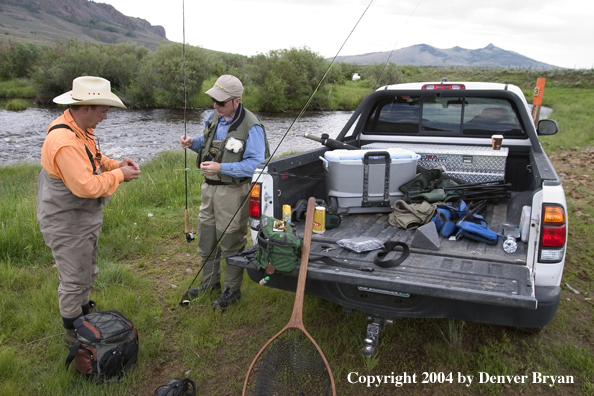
<point>76,180</point>
<point>233,145</point>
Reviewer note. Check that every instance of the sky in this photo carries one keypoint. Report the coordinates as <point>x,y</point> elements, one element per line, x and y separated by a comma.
<point>557,32</point>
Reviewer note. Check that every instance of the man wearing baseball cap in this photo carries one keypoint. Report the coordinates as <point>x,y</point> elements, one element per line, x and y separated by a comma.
<point>233,145</point>
<point>76,180</point>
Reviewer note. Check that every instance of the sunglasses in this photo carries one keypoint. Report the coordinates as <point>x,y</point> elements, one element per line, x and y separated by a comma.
<point>221,104</point>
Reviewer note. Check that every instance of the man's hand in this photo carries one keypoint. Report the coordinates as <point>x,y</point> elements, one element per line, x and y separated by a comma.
<point>210,168</point>
<point>130,172</point>
<point>186,141</point>
<point>129,162</point>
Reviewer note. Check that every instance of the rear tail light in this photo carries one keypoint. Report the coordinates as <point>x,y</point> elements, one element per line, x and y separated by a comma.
<point>255,201</point>
<point>443,86</point>
<point>553,234</point>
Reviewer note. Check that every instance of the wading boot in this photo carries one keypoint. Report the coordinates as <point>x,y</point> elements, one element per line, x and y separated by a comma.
<point>195,291</point>
<point>70,338</point>
<point>227,298</point>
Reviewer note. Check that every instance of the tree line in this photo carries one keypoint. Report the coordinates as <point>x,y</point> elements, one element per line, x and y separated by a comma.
<point>279,80</point>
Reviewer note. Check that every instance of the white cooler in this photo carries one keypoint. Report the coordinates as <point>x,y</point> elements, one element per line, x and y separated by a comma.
<point>367,181</point>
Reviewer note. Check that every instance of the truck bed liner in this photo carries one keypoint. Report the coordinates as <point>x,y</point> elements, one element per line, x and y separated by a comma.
<point>377,226</point>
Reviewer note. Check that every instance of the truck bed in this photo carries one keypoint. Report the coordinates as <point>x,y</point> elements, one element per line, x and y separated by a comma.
<point>464,269</point>
<point>377,226</point>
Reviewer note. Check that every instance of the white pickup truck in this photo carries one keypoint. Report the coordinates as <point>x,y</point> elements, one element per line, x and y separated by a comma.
<point>464,279</point>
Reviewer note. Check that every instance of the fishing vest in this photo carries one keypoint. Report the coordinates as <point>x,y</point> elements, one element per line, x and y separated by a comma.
<point>242,122</point>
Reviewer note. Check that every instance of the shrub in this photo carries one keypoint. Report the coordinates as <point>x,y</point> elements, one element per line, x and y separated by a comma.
<point>17,105</point>
<point>160,79</point>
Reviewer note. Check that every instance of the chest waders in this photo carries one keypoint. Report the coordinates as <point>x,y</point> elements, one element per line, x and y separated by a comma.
<point>70,226</point>
<point>220,201</point>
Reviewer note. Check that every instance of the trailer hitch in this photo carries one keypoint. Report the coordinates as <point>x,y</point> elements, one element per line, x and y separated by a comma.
<point>374,328</point>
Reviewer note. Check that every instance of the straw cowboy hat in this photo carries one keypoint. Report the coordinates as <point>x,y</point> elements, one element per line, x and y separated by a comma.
<point>88,90</point>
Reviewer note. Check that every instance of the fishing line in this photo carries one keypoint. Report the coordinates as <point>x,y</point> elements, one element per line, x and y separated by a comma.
<point>185,301</point>
<point>377,84</point>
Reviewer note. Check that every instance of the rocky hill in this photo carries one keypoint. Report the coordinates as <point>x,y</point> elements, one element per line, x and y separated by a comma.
<point>426,55</point>
<point>44,21</point>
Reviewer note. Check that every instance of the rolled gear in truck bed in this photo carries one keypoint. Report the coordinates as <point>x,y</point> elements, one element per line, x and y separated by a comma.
<point>367,181</point>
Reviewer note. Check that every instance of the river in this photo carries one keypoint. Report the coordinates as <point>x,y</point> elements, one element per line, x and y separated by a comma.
<point>140,134</point>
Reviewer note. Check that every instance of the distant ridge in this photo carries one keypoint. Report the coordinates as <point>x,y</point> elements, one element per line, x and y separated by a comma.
<point>426,55</point>
<point>45,21</point>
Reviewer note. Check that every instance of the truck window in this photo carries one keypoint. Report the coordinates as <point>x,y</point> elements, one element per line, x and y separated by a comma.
<point>488,116</point>
<point>400,116</point>
<point>444,116</point>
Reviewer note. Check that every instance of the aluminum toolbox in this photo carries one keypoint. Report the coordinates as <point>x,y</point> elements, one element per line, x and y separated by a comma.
<point>472,164</point>
<point>367,181</point>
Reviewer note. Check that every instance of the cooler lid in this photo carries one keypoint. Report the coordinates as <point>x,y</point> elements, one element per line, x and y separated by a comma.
<point>355,155</point>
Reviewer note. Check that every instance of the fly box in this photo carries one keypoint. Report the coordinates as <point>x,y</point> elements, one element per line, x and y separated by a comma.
<point>472,164</point>
<point>367,181</point>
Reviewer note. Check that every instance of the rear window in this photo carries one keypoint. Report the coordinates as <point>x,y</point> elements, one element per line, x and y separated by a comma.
<point>444,116</point>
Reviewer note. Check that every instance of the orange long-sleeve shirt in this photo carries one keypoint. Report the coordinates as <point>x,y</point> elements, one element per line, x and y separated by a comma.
<point>63,156</point>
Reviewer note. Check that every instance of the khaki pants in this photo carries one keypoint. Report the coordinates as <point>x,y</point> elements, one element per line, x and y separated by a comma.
<point>219,206</point>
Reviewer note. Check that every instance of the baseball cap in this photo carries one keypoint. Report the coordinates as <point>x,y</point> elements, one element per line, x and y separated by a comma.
<point>225,88</point>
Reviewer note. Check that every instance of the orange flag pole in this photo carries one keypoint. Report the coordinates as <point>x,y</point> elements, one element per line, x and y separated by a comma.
<point>537,102</point>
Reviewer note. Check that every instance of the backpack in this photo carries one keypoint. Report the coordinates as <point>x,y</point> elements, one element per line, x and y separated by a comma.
<point>279,248</point>
<point>177,387</point>
<point>107,346</point>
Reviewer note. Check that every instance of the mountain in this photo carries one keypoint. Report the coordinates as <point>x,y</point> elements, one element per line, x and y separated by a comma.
<point>426,55</point>
<point>46,21</point>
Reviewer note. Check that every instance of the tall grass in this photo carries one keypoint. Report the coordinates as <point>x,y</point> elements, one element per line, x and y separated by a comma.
<point>17,88</point>
<point>145,264</point>
<point>17,105</point>
<point>571,106</point>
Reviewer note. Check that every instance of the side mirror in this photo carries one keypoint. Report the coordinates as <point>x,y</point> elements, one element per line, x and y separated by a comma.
<point>547,127</point>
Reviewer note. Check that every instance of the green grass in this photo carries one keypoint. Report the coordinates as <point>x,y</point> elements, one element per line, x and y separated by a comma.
<point>17,105</point>
<point>349,95</point>
<point>17,88</point>
<point>143,264</point>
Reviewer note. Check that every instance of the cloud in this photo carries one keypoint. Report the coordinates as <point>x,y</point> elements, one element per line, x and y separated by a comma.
<point>550,31</point>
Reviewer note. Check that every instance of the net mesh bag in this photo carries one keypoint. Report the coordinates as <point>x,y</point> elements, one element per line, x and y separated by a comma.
<point>290,365</point>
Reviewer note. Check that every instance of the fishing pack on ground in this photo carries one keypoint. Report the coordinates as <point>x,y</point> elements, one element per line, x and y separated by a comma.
<point>107,346</point>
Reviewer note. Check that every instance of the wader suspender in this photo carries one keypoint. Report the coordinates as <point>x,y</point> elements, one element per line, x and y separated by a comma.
<point>59,126</point>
